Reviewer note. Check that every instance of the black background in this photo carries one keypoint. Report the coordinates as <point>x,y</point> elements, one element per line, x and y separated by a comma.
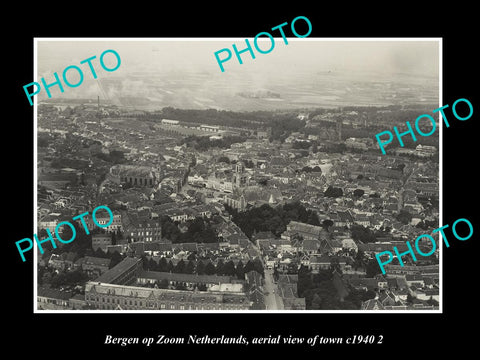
<point>84,334</point>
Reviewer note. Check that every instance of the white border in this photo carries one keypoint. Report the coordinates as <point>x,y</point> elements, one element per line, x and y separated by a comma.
<point>299,312</point>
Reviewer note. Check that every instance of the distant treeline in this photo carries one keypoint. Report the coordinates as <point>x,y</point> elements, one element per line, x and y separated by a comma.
<point>203,143</point>
<point>282,124</point>
<point>253,120</point>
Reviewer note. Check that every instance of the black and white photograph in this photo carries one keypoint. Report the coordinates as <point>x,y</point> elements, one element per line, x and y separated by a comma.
<point>261,187</point>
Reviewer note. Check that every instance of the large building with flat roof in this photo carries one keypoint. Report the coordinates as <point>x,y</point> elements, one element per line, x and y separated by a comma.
<point>209,128</point>
<point>170,122</point>
<point>104,296</point>
<point>116,290</point>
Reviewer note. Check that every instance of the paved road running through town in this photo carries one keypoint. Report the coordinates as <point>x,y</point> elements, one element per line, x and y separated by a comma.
<point>272,299</point>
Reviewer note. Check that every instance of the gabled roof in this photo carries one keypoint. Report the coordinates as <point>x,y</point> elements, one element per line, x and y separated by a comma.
<point>117,270</point>
<point>345,216</point>
<point>296,226</point>
<point>384,297</point>
<point>253,278</point>
<point>322,259</point>
<point>96,261</point>
<point>372,304</point>
<point>311,245</point>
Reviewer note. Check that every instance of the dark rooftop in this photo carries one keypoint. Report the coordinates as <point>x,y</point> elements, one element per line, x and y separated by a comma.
<point>117,270</point>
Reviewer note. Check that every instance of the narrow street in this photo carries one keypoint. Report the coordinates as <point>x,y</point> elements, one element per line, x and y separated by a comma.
<point>272,299</point>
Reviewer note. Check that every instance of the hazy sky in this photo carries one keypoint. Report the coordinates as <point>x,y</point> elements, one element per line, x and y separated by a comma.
<point>296,64</point>
<point>310,54</point>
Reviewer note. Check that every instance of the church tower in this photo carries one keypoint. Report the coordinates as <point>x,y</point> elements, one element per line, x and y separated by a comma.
<point>239,178</point>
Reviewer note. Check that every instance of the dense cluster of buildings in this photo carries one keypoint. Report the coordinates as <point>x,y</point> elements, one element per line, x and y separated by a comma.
<point>144,175</point>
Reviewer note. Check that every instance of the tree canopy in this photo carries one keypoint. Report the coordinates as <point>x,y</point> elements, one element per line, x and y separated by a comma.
<point>404,217</point>
<point>309,169</point>
<point>223,159</point>
<point>203,143</point>
<point>333,192</point>
<point>363,234</point>
<point>358,193</point>
<point>327,223</point>
<point>372,268</point>
<point>199,230</point>
<point>68,278</point>
<point>266,218</point>
<point>320,292</point>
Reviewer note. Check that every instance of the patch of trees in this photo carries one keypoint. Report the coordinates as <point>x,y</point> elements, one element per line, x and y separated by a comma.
<point>309,169</point>
<point>81,243</point>
<point>248,163</point>
<point>333,192</point>
<point>356,297</point>
<point>284,125</point>
<point>199,267</point>
<point>266,218</point>
<point>70,278</point>
<point>114,157</point>
<point>251,120</point>
<point>317,289</point>
<point>262,181</point>
<point>301,153</point>
<point>199,230</point>
<point>203,143</point>
<point>336,148</point>
<point>363,234</point>
<point>320,292</point>
<point>301,145</point>
<point>43,140</point>
<point>372,268</point>
<point>223,159</point>
<point>358,193</point>
<point>322,111</point>
<point>327,223</point>
<point>320,128</point>
<point>404,217</point>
